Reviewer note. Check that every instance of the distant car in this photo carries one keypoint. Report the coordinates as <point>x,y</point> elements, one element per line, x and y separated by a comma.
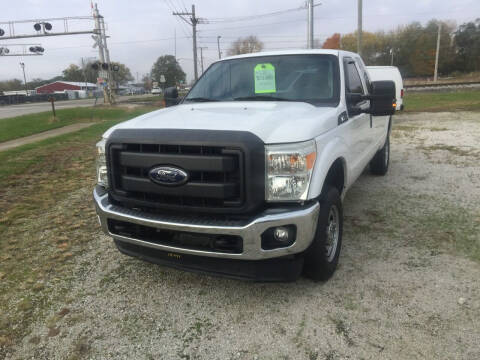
<point>156,91</point>
<point>380,73</point>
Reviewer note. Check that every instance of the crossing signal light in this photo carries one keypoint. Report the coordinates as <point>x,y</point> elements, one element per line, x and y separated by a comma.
<point>104,66</point>
<point>46,26</point>
<point>36,49</point>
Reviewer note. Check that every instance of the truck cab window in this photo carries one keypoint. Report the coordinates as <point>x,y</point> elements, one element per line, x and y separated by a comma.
<point>353,81</point>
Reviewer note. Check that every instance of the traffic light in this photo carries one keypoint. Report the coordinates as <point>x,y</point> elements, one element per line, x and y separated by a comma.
<point>2,32</point>
<point>37,27</point>
<point>95,66</point>
<point>48,26</point>
<point>4,50</point>
<point>105,66</point>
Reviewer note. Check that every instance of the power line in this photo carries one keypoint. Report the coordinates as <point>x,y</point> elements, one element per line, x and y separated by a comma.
<point>252,17</point>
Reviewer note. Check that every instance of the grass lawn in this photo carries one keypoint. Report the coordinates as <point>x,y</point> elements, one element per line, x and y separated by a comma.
<point>37,242</point>
<point>442,101</point>
<point>20,126</point>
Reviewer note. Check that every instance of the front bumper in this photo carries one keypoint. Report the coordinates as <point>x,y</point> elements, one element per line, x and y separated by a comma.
<point>305,220</point>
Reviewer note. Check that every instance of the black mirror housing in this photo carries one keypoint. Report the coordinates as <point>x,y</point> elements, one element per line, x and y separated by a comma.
<point>171,96</point>
<point>382,98</point>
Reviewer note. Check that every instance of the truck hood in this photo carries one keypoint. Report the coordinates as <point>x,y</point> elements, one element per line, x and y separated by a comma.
<point>273,122</point>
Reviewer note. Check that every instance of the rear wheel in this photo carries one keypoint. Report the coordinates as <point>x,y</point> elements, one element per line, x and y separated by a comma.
<point>381,160</point>
<point>321,258</point>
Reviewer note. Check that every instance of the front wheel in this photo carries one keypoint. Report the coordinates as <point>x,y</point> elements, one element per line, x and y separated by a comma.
<point>321,258</point>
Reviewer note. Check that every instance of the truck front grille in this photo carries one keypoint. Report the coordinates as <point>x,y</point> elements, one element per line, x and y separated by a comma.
<point>226,170</point>
<point>215,175</point>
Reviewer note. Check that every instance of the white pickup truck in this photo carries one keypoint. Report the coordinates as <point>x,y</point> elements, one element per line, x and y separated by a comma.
<point>245,176</point>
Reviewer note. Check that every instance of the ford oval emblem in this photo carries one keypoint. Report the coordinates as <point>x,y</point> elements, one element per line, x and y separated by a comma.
<point>168,175</point>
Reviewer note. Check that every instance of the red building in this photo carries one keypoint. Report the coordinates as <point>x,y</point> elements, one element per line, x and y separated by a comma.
<point>60,86</point>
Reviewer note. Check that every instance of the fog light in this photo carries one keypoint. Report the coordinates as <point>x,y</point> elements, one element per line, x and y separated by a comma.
<point>281,234</point>
<point>279,237</point>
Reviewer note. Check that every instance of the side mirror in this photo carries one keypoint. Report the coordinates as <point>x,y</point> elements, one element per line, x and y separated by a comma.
<point>170,96</point>
<point>382,98</point>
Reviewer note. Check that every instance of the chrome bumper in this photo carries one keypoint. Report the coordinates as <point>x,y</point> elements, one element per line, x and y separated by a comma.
<point>305,220</point>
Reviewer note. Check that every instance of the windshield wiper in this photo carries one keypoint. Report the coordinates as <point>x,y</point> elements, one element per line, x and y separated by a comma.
<point>200,99</point>
<point>260,98</point>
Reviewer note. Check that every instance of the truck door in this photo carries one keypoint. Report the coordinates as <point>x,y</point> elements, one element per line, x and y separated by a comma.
<point>358,121</point>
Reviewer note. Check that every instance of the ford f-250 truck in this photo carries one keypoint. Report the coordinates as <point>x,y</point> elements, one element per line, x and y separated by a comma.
<point>245,176</point>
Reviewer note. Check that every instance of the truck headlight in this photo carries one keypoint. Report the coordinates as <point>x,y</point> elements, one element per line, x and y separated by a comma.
<point>289,170</point>
<point>102,174</point>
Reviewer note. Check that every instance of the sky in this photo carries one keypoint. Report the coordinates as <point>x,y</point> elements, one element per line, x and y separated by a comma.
<point>142,30</point>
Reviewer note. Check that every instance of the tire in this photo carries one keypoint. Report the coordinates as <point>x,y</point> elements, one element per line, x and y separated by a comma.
<point>321,258</point>
<point>381,160</point>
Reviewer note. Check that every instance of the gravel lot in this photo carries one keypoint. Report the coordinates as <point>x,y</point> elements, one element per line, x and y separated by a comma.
<point>407,286</point>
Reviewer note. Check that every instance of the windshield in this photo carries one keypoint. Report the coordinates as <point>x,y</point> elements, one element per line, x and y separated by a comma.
<point>309,78</point>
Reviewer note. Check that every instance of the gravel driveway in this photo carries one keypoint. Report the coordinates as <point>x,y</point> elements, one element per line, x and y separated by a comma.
<point>407,286</point>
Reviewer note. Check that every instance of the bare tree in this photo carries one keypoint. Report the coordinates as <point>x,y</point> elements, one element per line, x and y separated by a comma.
<point>246,45</point>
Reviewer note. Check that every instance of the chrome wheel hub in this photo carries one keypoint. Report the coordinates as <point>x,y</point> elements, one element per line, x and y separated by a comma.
<point>332,231</point>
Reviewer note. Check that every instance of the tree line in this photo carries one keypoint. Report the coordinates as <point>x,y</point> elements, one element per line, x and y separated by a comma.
<point>76,73</point>
<point>412,48</point>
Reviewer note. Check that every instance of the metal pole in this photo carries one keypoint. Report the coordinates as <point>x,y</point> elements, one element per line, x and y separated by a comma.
<point>175,42</point>
<point>391,52</point>
<point>310,25</point>
<point>194,26</point>
<point>201,57</point>
<point>359,30</point>
<point>24,78</point>
<point>218,46</point>
<point>435,75</point>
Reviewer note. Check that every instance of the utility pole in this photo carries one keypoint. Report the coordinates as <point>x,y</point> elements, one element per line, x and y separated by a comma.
<point>111,97</point>
<point>175,43</point>
<point>435,75</point>
<point>99,42</point>
<point>24,78</point>
<point>310,24</point>
<point>201,55</point>
<point>218,46</point>
<point>193,22</point>
<point>359,30</point>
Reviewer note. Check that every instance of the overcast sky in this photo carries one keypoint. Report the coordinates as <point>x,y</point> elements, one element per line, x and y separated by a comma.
<point>142,30</point>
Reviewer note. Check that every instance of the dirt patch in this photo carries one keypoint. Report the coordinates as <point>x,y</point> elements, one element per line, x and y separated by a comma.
<point>407,285</point>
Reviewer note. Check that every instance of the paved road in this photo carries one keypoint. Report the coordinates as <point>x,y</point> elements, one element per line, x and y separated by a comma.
<point>31,108</point>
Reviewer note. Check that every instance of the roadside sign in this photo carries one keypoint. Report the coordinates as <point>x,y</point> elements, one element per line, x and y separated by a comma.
<point>155,84</point>
<point>162,79</point>
<point>103,74</point>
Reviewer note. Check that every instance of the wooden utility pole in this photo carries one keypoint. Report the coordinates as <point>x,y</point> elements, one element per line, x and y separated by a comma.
<point>193,22</point>
<point>435,75</point>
